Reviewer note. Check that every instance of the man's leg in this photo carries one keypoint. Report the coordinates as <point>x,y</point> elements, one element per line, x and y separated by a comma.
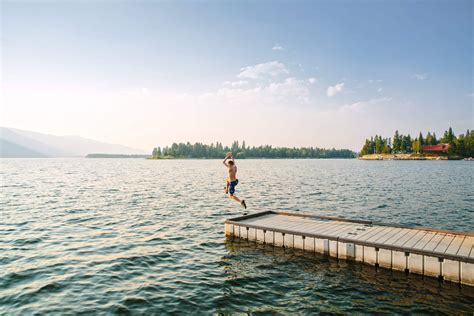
<point>227,183</point>
<point>242,202</point>
<point>233,197</point>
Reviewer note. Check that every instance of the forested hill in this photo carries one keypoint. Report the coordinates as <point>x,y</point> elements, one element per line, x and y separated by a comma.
<point>217,150</point>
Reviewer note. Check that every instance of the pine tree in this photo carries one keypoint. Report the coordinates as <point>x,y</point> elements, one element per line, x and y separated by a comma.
<point>451,136</point>
<point>396,142</point>
<point>420,143</point>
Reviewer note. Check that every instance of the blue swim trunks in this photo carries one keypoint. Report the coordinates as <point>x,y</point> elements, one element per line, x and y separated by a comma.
<point>232,186</point>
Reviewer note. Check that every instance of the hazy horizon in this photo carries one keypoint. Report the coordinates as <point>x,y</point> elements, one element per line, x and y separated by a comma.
<point>321,74</point>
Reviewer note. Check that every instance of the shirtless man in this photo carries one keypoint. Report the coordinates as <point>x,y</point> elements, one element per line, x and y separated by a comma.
<point>232,180</point>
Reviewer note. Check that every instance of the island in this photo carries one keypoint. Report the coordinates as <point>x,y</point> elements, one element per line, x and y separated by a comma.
<point>404,147</point>
<point>241,151</point>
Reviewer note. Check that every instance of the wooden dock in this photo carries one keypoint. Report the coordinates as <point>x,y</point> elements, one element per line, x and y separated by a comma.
<point>447,255</point>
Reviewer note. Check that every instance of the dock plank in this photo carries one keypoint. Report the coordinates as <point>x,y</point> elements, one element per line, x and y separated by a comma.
<point>369,232</point>
<point>412,234</point>
<point>466,246</point>
<point>421,241</point>
<point>336,231</point>
<point>455,245</point>
<point>434,242</point>
<point>357,231</point>
<point>317,228</point>
<point>395,236</point>
<point>334,227</point>
<point>444,243</point>
<point>380,232</point>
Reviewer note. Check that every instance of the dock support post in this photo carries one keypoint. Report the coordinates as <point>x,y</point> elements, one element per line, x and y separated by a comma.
<point>441,274</point>
<point>460,273</point>
<point>407,266</point>
<point>376,257</point>
<point>423,265</point>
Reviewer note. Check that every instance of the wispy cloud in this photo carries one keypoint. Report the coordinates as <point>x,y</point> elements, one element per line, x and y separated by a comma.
<point>379,90</point>
<point>333,90</point>
<point>272,68</point>
<point>278,47</point>
<point>289,91</point>
<point>239,83</point>
<point>375,80</point>
<point>312,80</point>
<point>420,76</point>
<point>289,87</point>
<point>362,105</point>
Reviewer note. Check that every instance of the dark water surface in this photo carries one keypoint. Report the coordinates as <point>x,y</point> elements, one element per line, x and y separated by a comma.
<point>141,237</point>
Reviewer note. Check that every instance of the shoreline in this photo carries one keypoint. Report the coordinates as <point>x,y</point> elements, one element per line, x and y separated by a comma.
<point>409,157</point>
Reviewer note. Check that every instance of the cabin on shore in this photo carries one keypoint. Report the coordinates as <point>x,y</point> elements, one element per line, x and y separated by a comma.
<point>436,149</point>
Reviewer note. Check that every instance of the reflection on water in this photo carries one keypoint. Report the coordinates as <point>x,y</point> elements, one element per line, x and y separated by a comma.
<point>140,236</point>
<point>317,282</point>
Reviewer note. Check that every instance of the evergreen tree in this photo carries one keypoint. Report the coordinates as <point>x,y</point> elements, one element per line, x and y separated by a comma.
<point>461,146</point>
<point>429,139</point>
<point>420,143</point>
<point>396,142</point>
<point>451,136</point>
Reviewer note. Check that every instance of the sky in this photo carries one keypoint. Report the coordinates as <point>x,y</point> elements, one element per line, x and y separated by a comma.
<point>284,73</point>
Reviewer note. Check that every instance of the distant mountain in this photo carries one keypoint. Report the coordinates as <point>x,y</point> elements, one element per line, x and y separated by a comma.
<point>21,143</point>
<point>11,150</point>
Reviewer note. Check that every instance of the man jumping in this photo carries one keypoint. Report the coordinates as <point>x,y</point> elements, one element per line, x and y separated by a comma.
<point>232,180</point>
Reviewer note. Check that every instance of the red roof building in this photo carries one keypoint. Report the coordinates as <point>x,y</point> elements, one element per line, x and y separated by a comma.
<point>443,148</point>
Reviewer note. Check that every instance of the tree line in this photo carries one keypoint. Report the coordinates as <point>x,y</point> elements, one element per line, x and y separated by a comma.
<point>460,146</point>
<point>217,150</point>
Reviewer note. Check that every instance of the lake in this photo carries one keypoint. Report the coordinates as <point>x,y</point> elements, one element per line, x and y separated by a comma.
<point>147,236</point>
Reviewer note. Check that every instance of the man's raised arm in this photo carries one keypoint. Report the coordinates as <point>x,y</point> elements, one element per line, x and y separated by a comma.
<point>225,160</point>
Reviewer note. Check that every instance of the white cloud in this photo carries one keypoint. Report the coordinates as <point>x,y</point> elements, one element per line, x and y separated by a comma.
<point>312,80</point>
<point>289,91</point>
<point>420,76</point>
<point>278,47</point>
<point>290,87</point>
<point>379,90</point>
<point>361,105</point>
<point>375,80</point>
<point>273,68</point>
<point>333,90</point>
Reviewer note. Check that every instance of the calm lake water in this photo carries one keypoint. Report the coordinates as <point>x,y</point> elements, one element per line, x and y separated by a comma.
<point>139,236</point>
